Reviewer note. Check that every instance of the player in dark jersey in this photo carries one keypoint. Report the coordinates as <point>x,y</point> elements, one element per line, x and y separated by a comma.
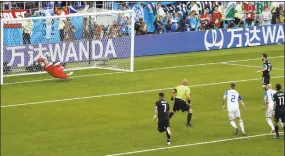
<point>162,109</point>
<point>267,67</point>
<point>279,109</point>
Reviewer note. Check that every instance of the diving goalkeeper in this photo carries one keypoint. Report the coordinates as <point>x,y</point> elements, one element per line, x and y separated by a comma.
<point>54,69</point>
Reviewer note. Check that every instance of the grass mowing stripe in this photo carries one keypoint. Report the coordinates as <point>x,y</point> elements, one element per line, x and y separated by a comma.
<point>187,145</point>
<point>126,93</point>
<point>143,70</point>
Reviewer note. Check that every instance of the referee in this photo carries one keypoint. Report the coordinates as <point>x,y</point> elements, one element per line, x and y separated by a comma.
<point>267,67</point>
<point>182,93</point>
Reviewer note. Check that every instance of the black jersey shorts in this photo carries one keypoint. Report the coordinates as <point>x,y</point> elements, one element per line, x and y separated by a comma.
<point>162,124</point>
<point>279,114</point>
<point>266,80</point>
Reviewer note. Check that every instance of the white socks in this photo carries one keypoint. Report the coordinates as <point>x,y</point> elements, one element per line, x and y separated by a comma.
<point>269,121</point>
<point>241,125</point>
<point>233,124</point>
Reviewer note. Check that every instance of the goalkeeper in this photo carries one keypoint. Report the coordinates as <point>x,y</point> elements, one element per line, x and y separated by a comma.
<point>54,69</point>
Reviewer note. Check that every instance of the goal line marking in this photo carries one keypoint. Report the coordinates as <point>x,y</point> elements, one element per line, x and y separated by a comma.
<point>127,93</point>
<point>187,145</point>
<point>142,70</point>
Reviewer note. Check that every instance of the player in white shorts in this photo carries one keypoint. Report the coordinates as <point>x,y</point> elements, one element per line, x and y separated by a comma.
<point>268,100</point>
<point>232,98</point>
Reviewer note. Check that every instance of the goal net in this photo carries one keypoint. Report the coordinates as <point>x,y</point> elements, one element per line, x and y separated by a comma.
<point>77,41</point>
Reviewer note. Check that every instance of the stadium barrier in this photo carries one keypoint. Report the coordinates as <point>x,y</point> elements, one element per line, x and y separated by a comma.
<point>208,40</point>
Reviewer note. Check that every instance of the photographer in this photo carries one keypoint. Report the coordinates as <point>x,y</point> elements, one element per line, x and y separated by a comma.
<point>140,27</point>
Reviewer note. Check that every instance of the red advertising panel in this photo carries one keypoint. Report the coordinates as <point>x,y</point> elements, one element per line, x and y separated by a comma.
<point>9,14</point>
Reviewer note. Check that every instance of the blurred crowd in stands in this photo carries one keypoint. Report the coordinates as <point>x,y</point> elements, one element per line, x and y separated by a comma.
<point>209,17</point>
<point>164,17</point>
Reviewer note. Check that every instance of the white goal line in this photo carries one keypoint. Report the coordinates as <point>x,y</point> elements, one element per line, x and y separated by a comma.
<point>143,70</point>
<point>127,93</point>
<point>187,145</point>
<point>244,65</point>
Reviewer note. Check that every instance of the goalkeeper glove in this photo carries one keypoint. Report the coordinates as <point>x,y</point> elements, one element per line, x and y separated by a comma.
<point>172,98</point>
<point>189,102</point>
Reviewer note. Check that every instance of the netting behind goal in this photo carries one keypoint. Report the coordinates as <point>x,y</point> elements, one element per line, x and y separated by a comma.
<point>77,41</point>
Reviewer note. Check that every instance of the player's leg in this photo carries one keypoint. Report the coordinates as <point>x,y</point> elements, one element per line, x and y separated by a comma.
<point>237,114</point>
<point>69,74</point>
<point>168,135</point>
<point>58,65</point>
<point>276,119</point>
<point>58,73</point>
<point>160,126</point>
<point>283,123</point>
<point>242,126</point>
<point>263,85</point>
<point>168,132</point>
<point>175,108</point>
<point>189,116</point>
<point>283,129</point>
<point>265,82</point>
<point>268,119</point>
<point>62,75</point>
<point>181,105</point>
<point>232,122</point>
<point>172,113</point>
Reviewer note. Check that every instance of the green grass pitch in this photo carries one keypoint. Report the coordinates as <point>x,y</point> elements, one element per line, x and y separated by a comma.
<point>116,114</point>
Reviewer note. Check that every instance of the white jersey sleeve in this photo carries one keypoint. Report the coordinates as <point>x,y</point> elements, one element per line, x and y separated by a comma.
<point>269,95</point>
<point>233,99</point>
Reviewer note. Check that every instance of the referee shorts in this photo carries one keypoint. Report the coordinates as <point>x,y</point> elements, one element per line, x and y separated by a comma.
<point>180,104</point>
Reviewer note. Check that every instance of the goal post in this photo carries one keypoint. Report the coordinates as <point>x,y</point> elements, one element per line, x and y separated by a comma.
<point>102,40</point>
